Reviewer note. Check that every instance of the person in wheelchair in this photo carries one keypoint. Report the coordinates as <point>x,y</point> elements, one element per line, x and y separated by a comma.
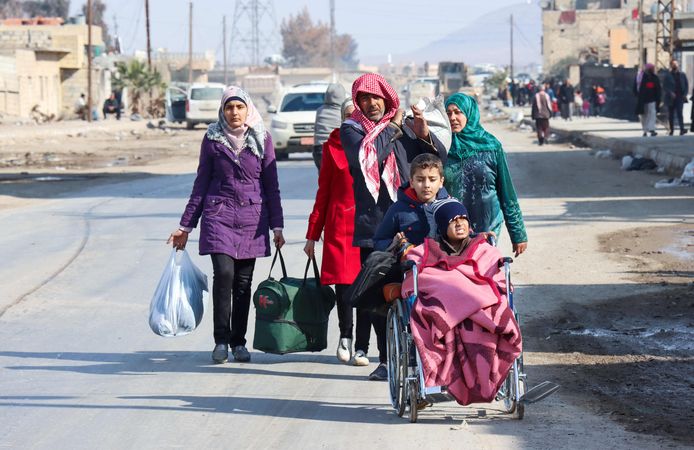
<point>461,323</point>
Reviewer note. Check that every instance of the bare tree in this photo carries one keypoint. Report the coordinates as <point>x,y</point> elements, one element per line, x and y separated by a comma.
<point>305,43</point>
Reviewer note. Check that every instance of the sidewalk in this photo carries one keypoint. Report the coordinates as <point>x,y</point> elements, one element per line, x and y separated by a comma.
<point>622,138</point>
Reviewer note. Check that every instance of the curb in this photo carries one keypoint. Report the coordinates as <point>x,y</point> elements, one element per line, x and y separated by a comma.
<point>671,163</point>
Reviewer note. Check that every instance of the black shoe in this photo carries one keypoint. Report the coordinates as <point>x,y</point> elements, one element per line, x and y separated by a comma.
<point>645,134</point>
<point>241,354</point>
<point>683,132</point>
<point>220,354</point>
<point>380,374</point>
<point>653,133</point>
<point>671,132</point>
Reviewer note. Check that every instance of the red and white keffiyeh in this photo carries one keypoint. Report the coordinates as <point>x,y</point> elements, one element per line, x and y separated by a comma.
<point>375,84</point>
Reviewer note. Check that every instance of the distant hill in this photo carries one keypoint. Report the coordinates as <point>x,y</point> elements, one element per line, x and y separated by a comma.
<point>486,40</point>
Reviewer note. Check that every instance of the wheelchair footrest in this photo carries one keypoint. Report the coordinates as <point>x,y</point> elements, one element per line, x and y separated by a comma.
<point>539,392</point>
<point>437,394</point>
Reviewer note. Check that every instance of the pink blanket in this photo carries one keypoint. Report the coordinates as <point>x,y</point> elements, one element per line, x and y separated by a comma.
<point>461,323</point>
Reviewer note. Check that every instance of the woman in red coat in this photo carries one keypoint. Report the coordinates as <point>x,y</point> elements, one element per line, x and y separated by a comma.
<point>333,215</point>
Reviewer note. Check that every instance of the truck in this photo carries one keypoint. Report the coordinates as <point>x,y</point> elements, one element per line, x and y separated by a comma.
<point>452,77</point>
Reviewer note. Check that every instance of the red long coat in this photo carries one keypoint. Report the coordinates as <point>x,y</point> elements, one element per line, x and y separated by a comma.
<point>333,214</point>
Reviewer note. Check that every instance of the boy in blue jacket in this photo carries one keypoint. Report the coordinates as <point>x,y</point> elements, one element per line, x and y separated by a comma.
<point>408,218</point>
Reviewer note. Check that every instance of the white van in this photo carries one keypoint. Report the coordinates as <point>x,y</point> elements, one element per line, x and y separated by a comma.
<point>202,105</point>
<point>293,121</point>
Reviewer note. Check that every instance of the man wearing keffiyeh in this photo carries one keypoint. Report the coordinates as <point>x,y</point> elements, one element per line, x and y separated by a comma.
<point>379,156</point>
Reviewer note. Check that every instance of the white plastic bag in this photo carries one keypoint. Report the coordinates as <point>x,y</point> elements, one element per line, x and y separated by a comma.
<point>688,173</point>
<point>180,299</point>
<point>436,117</point>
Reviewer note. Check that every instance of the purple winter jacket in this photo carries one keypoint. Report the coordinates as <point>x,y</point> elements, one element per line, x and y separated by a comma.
<point>238,199</point>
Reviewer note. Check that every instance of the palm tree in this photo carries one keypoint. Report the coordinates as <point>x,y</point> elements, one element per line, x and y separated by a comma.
<point>139,80</point>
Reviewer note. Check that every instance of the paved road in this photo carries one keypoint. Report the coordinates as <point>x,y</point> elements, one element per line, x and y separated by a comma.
<point>79,367</point>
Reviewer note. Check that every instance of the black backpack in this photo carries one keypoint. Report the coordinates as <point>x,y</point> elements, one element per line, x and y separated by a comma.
<point>366,292</point>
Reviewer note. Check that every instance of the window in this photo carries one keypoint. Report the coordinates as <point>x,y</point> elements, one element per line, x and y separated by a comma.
<point>309,101</point>
<point>206,94</point>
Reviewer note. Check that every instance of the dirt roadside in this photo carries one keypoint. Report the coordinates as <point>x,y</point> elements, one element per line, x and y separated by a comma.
<point>42,162</point>
<point>631,359</point>
<point>634,364</point>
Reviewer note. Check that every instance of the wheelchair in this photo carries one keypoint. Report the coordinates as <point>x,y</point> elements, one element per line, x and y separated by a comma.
<point>406,377</point>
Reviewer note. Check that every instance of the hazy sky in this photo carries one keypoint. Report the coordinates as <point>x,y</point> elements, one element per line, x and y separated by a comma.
<point>379,26</point>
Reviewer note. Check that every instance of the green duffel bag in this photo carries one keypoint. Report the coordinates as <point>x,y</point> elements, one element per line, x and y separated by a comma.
<point>291,315</point>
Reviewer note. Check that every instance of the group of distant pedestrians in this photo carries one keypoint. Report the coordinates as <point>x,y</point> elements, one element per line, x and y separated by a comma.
<point>568,102</point>
<point>673,92</point>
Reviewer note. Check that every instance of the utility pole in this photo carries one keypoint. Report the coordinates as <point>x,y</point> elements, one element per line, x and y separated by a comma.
<point>89,61</point>
<point>224,42</point>
<point>149,53</point>
<point>511,67</point>
<point>332,39</point>
<point>149,47</point>
<point>190,44</point>
<point>641,55</point>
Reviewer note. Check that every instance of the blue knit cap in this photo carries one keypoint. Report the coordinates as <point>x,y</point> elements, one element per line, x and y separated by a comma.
<point>445,211</point>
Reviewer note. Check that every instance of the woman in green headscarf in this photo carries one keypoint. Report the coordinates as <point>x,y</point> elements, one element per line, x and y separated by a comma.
<point>477,174</point>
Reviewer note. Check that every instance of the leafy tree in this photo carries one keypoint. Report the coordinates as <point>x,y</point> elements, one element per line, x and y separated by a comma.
<point>497,80</point>
<point>305,43</point>
<point>135,76</point>
<point>98,12</point>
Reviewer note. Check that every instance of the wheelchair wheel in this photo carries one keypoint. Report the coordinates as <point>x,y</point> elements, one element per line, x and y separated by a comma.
<point>396,371</point>
<point>510,398</point>
<point>413,394</point>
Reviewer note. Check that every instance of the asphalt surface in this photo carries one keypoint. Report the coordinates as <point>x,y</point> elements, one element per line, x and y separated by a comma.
<point>80,368</point>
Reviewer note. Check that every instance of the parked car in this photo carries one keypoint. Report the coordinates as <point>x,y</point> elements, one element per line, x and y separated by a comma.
<point>293,121</point>
<point>202,105</point>
<point>176,104</point>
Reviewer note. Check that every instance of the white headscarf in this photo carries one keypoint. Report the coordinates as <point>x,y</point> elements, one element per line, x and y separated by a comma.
<point>251,134</point>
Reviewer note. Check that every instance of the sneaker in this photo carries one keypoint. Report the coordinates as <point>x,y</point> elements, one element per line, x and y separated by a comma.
<point>241,354</point>
<point>220,354</point>
<point>654,133</point>
<point>683,132</point>
<point>645,134</point>
<point>380,374</point>
<point>360,359</point>
<point>344,350</point>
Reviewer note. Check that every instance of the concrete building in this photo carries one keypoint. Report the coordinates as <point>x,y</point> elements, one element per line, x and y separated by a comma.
<point>603,31</point>
<point>173,67</point>
<point>43,64</point>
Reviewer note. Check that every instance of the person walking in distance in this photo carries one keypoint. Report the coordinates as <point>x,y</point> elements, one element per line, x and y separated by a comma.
<point>236,193</point>
<point>541,111</point>
<point>676,87</point>
<point>647,91</point>
<point>566,100</point>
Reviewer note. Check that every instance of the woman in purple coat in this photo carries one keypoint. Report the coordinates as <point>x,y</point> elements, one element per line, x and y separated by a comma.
<point>237,194</point>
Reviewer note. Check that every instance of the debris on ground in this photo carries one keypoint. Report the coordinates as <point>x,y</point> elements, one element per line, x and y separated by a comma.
<point>686,180</point>
<point>603,154</point>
